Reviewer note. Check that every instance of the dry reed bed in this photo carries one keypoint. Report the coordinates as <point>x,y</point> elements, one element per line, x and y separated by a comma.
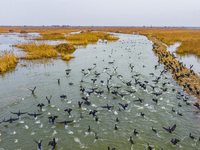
<point>35,51</point>
<point>7,61</point>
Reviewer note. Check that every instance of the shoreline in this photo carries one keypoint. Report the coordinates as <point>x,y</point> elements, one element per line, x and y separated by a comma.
<point>184,76</point>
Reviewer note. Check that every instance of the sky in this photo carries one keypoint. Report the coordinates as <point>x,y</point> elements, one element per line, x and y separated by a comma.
<point>100,12</point>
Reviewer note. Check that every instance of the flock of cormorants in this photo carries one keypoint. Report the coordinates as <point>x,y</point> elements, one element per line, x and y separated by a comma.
<point>116,93</point>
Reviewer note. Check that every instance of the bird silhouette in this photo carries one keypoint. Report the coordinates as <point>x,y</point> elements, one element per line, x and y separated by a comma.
<point>154,130</point>
<point>123,105</point>
<point>19,113</point>
<point>131,140</point>
<point>39,143</point>
<point>108,107</point>
<point>79,104</point>
<point>65,122</point>
<point>40,105</point>
<point>52,119</point>
<point>170,129</point>
<point>11,120</point>
<point>53,143</point>
<point>68,110</point>
<point>175,141</point>
<point>35,115</point>
<point>32,90</point>
<point>49,99</point>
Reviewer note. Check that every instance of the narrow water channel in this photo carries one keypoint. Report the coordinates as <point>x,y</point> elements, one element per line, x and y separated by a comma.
<point>128,60</point>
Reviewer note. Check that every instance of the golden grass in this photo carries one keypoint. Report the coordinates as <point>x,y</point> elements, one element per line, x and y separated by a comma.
<point>67,57</point>
<point>7,61</point>
<point>85,38</point>
<point>35,51</point>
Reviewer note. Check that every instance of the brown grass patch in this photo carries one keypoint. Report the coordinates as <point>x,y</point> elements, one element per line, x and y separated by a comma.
<point>7,61</point>
<point>35,51</point>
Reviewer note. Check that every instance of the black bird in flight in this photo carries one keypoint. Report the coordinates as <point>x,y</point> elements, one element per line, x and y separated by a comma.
<point>53,143</point>
<point>79,104</point>
<point>65,122</point>
<point>139,100</point>
<point>107,107</point>
<point>32,90</point>
<point>40,105</point>
<point>19,113</point>
<point>35,115</point>
<point>68,110</point>
<point>93,112</point>
<point>39,143</point>
<point>52,118</point>
<point>49,99</point>
<point>123,105</point>
<point>157,94</point>
<point>11,120</point>
<point>170,129</point>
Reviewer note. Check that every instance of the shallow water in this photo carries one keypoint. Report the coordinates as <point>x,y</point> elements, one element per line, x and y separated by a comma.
<point>133,49</point>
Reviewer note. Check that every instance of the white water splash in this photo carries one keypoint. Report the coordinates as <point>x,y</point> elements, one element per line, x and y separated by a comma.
<point>32,133</point>
<point>16,141</point>
<point>70,132</point>
<point>26,127</point>
<point>116,113</point>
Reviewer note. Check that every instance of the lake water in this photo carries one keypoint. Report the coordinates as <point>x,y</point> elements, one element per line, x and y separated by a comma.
<point>129,50</point>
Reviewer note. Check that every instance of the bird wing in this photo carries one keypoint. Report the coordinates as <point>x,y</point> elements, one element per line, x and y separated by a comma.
<point>13,112</point>
<point>69,121</point>
<point>138,100</point>
<point>177,140</point>
<point>63,122</point>
<point>22,113</point>
<point>173,128</point>
<point>121,104</point>
<point>111,106</point>
<point>6,120</point>
<point>166,129</point>
<point>34,88</point>
<point>14,119</point>
<point>42,104</point>
<point>38,114</point>
<point>30,114</point>
<point>50,143</point>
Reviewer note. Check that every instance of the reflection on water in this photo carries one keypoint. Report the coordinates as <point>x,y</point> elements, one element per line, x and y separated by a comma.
<point>130,50</point>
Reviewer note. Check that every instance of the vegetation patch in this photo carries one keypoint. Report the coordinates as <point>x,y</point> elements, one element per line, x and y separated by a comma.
<point>34,51</point>
<point>7,61</point>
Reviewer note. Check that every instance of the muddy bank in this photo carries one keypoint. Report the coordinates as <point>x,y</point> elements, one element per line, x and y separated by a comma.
<point>184,76</point>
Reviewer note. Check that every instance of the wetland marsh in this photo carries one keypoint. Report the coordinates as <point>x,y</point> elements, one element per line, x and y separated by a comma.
<point>128,60</point>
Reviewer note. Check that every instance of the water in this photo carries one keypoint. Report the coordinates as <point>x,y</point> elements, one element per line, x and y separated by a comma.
<point>133,49</point>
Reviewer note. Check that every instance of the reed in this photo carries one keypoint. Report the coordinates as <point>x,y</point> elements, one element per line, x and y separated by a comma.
<point>91,37</point>
<point>7,61</point>
<point>34,51</point>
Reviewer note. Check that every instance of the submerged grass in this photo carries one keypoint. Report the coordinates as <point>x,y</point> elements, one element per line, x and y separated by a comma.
<point>7,61</point>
